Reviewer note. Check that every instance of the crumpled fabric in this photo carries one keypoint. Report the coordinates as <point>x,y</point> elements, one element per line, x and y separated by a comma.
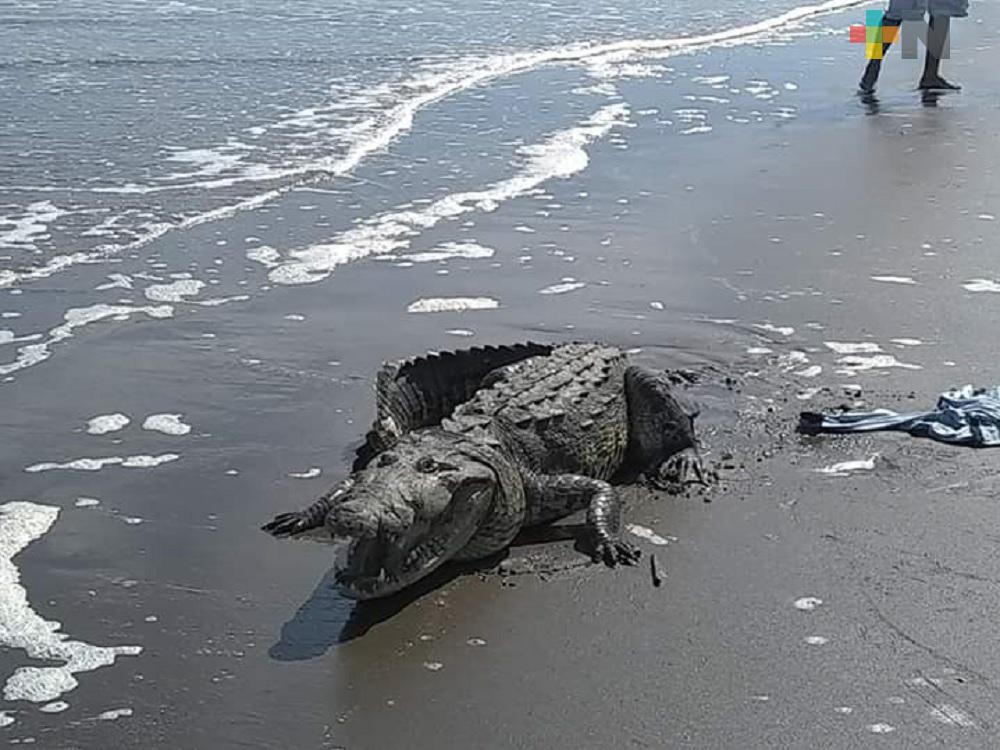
<point>964,416</point>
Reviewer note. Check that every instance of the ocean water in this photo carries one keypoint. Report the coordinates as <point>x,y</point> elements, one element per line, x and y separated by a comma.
<point>125,120</point>
<point>134,126</point>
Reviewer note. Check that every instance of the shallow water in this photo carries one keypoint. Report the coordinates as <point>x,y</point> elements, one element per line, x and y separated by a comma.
<point>150,119</point>
<point>186,203</point>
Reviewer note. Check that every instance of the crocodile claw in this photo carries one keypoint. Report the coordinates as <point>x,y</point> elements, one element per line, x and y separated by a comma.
<point>614,552</point>
<point>678,471</point>
<point>287,524</point>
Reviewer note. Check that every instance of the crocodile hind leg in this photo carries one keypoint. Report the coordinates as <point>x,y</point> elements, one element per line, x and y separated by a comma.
<point>662,443</point>
<point>555,496</point>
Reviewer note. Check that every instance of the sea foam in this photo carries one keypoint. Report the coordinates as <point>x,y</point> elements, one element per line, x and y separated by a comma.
<point>32,354</point>
<point>141,461</point>
<point>376,132</point>
<point>561,155</point>
<point>22,628</point>
<point>452,304</point>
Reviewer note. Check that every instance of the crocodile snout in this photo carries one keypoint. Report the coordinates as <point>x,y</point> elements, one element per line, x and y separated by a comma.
<point>354,519</point>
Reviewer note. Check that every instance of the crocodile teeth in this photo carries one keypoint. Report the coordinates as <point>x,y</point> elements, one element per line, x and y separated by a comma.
<point>412,558</point>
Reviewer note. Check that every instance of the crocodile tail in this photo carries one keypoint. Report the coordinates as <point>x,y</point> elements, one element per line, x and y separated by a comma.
<point>421,392</point>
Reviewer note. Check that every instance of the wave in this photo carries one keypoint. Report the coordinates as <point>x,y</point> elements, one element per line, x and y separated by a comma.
<point>78,317</point>
<point>375,133</point>
<point>21,230</point>
<point>561,155</point>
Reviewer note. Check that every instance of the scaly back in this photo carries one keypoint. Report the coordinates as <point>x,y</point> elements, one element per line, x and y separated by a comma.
<point>422,391</point>
<point>564,412</point>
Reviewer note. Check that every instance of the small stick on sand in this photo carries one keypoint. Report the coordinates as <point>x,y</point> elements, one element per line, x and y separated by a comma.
<point>654,571</point>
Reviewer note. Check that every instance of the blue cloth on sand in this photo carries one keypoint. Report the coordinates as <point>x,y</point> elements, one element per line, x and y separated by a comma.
<point>964,416</point>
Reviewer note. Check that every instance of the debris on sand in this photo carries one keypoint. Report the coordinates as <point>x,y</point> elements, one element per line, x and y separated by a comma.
<point>846,468</point>
<point>807,603</point>
<point>655,573</point>
<point>648,534</point>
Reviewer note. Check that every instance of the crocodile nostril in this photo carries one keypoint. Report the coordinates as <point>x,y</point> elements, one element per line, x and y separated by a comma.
<point>387,459</point>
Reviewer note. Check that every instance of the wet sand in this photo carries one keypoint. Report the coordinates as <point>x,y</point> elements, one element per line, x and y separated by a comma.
<point>737,241</point>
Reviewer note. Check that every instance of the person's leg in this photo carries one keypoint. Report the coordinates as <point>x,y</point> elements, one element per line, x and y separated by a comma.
<point>874,67</point>
<point>937,40</point>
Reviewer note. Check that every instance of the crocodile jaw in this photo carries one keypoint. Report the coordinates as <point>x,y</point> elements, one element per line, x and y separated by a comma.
<point>369,575</point>
<point>379,567</point>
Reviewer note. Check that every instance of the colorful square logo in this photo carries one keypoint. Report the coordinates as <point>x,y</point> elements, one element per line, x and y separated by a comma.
<point>874,34</point>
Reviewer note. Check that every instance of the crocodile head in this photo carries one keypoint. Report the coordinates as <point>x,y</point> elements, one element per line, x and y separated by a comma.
<point>408,512</point>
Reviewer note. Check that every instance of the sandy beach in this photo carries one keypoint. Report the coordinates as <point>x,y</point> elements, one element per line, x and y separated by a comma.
<point>738,213</point>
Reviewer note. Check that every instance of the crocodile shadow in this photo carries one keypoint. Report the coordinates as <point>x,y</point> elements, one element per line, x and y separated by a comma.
<point>327,618</point>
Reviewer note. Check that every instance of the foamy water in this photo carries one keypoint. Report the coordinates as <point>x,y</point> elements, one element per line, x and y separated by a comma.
<point>21,628</point>
<point>452,304</point>
<point>561,155</point>
<point>68,224</point>
<point>449,251</point>
<point>168,424</point>
<point>24,229</point>
<point>139,461</point>
<point>105,423</point>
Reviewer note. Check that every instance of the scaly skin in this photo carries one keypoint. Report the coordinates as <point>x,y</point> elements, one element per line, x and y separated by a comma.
<point>470,447</point>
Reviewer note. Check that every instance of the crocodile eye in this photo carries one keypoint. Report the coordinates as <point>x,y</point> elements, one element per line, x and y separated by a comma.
<point>427,465</point>
<point>387,459</point>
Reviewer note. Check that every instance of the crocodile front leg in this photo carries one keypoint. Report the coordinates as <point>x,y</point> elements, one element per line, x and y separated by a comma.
<point>555,496</point>
<point>679,470</point>
<point>662,443</point>
<point>299,521</point>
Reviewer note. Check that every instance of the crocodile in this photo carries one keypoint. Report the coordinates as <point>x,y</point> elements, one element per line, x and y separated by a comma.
<point>470,447</point>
